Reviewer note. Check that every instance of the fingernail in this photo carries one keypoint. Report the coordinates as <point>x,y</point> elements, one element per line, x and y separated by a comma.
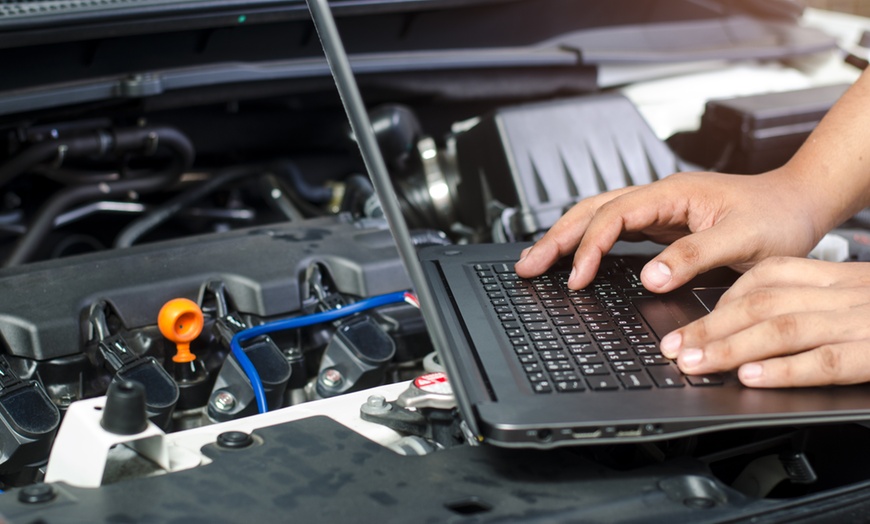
<point>523,254</point>
<point>571,276</point>
<point>750,371</point>
<point>670,344</point>
<point>657,274</point>
<point>691,357</point>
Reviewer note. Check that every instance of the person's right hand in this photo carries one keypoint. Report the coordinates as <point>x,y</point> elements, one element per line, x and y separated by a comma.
<point>710,220</point>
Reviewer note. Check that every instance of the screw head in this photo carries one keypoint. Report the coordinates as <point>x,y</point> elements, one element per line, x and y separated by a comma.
<point>224,401</point>
<point>331,377</point>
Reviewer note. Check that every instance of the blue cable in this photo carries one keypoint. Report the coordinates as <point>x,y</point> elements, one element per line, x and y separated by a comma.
<point>294,323</point>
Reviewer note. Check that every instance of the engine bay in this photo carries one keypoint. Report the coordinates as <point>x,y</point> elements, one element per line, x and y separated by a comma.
<point>189,239</point>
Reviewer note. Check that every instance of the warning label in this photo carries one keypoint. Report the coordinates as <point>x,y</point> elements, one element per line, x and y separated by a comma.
<point>433,383</point>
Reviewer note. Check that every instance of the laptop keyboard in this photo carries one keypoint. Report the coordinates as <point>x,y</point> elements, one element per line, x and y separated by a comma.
<point>578,340</point>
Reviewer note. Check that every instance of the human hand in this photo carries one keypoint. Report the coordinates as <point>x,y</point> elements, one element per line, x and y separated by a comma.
<point>710,219</point>
<point>786,322</point>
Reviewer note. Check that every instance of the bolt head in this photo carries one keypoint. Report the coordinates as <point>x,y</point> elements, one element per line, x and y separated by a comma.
<point>224,401</point>
<point>331,377</point>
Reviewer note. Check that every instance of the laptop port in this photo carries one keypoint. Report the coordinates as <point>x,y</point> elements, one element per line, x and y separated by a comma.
<point>628,431</point>
<point>581,433</point>
<point>545,435</point>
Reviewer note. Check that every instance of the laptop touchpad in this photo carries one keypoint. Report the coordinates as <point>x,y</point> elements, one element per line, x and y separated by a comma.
<point>667,313</point>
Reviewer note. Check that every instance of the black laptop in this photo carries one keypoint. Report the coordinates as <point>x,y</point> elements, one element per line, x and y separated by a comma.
<point>534,364</point>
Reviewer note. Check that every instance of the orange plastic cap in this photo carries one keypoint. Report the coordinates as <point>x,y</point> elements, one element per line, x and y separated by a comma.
<point>180,320</point>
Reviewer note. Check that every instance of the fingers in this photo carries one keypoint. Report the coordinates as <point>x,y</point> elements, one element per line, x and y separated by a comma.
<point>784,336</point>
<point>793,272</point>
<point>563,238</point>
<point>758,306</point>
<point>780,335</point>
<point>846,363</point>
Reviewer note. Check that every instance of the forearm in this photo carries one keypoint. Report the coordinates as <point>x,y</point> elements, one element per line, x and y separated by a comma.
<point>830,174</point>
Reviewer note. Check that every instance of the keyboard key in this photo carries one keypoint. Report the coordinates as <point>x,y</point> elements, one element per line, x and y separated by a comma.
<point>558,365</point>
<point>583,349</point>
<point>602,383</point>
<point>634,380</point>
<point>564,375</point>
<point>552,355</point>
<point>527,359</point>
<point>571,330</point>
<point>566,321</point>
<point>534,367</point>
<point>561,311</point>
<point>647,349</point>
<point>601,326</point>
<point>542,387</point>
<point>595,369</point>
<point>622,354</point>
<point>570,385</point>
<point>603,336</point>
<point>538,326</point>
<point>626,365</point>
<point>523,350</point>
<point>537,336</point>
<point>519,341</point>
<point>502,268</point>
<point>521,301</point>
<point>705,380</point>
<point>529,308</point>
<point>577,339</point>
<point>510,324</point>
<point>632,329</point>
<point>643,338</point>
<point>519,292</point>
<point>667,376</point>
<point>547,345</point>
<point>613,345</point>
<point>537,377</point>
<point>514,332</point>
<point>526,318</point>
<point>654,360</point>
<point>589,359</point>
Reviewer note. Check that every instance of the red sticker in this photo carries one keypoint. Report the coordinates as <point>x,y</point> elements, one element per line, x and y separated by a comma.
<point>433,383</point>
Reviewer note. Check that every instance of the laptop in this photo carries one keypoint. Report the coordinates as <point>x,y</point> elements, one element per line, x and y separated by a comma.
<point>533,364</point>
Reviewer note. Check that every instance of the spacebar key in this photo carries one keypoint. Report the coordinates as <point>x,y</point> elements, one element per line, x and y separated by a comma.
<point>666,376</point>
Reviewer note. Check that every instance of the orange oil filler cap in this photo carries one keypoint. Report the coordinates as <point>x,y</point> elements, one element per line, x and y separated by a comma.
<point>180,320</point>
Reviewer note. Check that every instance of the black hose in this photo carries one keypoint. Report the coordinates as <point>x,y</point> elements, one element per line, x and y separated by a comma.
<point>122,140</point>
<point>95,144</point>
<point>357,190</point>
<point>293,175</point>
<point>138,228</point>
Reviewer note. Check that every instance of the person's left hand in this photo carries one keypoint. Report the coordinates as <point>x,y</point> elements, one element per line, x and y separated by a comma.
<point>786,322</point>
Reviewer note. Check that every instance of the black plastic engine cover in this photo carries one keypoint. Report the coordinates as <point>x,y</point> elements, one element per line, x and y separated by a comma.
<point>44,306</point>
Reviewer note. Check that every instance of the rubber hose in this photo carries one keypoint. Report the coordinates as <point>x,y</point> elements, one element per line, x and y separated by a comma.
<point>130,139</point>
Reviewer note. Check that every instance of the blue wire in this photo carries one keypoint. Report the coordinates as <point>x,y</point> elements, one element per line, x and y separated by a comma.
<point>294,323</point>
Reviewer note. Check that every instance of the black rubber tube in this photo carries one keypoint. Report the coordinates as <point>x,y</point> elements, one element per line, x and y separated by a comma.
<point>124,140</point>
<point>140,227</point>
<point>290,172</point>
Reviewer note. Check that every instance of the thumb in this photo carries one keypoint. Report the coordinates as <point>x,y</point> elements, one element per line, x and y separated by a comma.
<point>684,259</point>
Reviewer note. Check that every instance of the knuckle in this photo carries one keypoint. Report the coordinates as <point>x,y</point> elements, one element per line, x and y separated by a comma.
<point>758,303</point>
<point>721,355</point>
<point>828,362</point>
<point>688,252</point>
<point>785,326</point>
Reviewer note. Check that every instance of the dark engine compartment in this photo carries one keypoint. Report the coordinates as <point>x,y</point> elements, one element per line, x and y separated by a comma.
<point>246,196</point>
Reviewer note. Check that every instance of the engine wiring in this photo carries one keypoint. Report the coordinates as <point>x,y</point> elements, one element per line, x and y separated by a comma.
<point>304,321</point>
